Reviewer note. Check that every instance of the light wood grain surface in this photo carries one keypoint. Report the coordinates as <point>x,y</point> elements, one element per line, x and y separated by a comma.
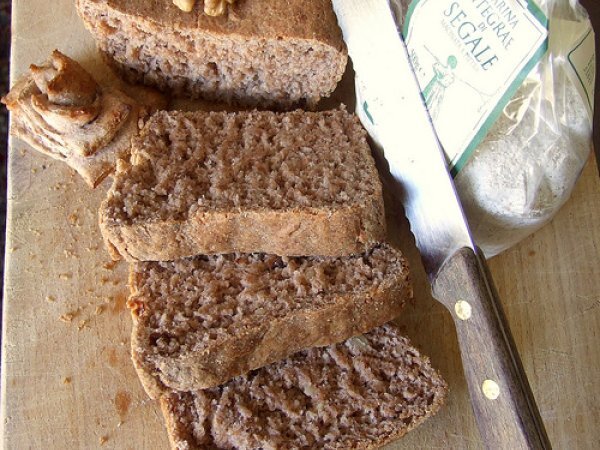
<point>70,383</point>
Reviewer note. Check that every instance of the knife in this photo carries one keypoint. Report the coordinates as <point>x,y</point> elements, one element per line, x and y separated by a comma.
<point>505,409</point>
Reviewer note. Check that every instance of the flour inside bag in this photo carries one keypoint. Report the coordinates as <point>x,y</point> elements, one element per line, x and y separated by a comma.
<point>509,85</point>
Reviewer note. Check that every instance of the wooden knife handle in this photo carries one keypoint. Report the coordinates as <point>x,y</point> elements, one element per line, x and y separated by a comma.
<point>506,413</point>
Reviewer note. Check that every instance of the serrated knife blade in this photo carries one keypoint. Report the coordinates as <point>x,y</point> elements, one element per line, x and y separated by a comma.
<point>411,146</point>
<point>505,410</point>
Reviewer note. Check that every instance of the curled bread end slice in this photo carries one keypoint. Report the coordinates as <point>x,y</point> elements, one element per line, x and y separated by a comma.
<point>65,117</point>
<point>64,81</point>
<point>60,110</point>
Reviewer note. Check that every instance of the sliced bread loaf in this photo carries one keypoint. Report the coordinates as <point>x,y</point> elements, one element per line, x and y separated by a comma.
<point>261,53</point>
<point>360,394</point>
<point>199,322</point>
<point>216,182</point>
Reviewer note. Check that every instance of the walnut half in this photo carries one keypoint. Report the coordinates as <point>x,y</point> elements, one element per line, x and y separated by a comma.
<point>211,7</point>
<point>185,5</point>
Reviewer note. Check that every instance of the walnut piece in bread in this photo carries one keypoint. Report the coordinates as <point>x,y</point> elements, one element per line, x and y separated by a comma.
<point>211,7</point>
<point>60,110</point>
<point>185,5</point>
<point>216,7</point>
<point>267,54</point>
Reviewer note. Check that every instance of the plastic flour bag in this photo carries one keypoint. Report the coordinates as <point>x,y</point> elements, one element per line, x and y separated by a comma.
<point>509,85</point>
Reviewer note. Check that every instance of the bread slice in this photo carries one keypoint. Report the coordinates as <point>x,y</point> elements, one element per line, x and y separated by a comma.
<point>261,53</point>
<point>293,183</point>
<point>202,321</point>
<point>361,394</point>
<point>61,111</point>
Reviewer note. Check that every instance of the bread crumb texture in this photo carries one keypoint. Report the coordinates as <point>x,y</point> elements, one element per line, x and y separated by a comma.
<point>257,53</point>
<point>358,394</point>
<point>186,163</point>
<point>185,304</point>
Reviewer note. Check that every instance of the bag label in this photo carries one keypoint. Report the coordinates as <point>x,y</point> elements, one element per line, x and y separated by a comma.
<point>582,67</point>
<point>470,57</point>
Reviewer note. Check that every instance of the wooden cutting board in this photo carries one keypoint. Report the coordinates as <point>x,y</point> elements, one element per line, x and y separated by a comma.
<point>67,381</point>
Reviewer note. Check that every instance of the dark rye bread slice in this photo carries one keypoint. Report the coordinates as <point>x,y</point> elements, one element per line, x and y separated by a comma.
<point>293,183</point>
<point>360,394</point>
<point>262,53</point>
<point>202,321</point>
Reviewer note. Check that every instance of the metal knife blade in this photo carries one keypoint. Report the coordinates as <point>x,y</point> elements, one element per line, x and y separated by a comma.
<point>506,413</point>
<point>415,156</point>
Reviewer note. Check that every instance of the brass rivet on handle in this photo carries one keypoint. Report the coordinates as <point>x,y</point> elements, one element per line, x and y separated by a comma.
<point>462,310</point>
<point>490,389</point>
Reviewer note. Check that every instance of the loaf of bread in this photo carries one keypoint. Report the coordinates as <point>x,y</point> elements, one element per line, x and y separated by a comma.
<point>295,183</point>
<point>361,394</point>
<point>199,322</point>
<point>260,53</point>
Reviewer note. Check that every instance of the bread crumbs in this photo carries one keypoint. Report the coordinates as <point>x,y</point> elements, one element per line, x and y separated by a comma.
<point>74,219</point>
<point>68,317</point>
<point>35,232</point>
<point>103,440</point>
<point>67,380</point>
<point>110,265</point>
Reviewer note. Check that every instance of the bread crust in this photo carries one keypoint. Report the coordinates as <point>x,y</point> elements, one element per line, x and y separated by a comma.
<point>174,431</point>
<point>248,349</point>
<point>292,19</point>
<point>293,232</point>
